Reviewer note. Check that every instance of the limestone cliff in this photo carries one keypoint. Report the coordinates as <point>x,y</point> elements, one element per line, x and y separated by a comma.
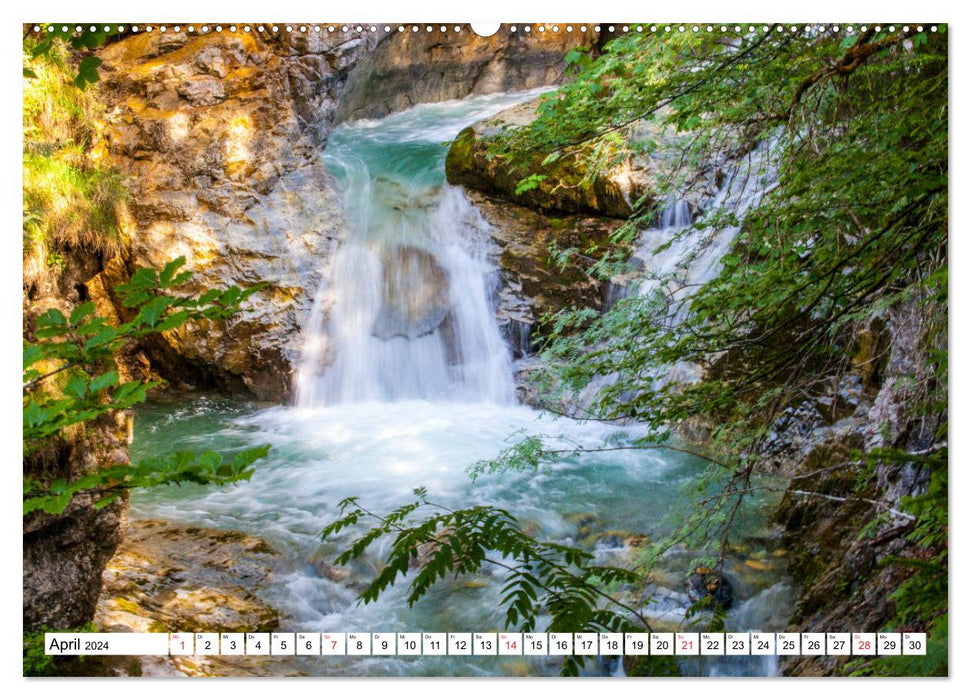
<point>219,136</point>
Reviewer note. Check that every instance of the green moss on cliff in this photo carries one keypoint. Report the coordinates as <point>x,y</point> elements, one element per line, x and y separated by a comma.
<point>70,193</point>
<point>596,178</point>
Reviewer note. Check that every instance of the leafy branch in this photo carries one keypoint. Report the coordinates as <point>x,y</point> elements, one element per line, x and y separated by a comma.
<point>541,577</point>
<point>85,41</point>
<point>70,379</point>
<point>110,483</point>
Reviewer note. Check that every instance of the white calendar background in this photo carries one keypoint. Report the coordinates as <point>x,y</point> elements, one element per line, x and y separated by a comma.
<point>333,644</point>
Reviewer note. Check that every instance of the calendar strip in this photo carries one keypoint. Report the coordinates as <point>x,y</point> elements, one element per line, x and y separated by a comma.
<point>486,644</point>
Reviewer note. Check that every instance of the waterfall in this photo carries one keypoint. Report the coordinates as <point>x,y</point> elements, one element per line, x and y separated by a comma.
<point>407,311</point>
<point>679,259</point>
<point>404,381</point>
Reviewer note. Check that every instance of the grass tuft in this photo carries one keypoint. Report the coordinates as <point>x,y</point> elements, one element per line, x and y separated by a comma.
<point>70,195</point>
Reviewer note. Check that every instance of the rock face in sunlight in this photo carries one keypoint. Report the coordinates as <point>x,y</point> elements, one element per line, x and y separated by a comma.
<point>408,67</point>
<point>169,578</point>
<point>220,137</point>
<point>165,577</point>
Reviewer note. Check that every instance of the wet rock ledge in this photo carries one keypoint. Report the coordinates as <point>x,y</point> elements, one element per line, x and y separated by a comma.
<point>166,578</point>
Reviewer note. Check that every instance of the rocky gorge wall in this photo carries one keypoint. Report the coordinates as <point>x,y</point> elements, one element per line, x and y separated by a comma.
<point>410,67</point>
<point>220,140</point>
<point>844,525</point>
<point>219,137</point>
<point>64,554</point>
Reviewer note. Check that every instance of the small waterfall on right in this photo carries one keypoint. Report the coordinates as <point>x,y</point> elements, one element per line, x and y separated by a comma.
<point>678,258</point>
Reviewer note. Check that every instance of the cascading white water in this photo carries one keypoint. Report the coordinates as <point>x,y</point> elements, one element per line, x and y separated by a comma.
<point>679,259</point>
<point>406,312</point>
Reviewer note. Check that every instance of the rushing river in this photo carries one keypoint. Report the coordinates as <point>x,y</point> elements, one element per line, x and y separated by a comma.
<point>405,382</point>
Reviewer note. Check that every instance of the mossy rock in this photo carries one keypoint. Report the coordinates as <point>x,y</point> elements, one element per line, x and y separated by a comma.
<point>566,185</point>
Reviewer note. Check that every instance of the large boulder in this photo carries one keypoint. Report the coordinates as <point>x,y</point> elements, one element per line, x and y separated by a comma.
<point>710,588</point>
<point>414,292</point>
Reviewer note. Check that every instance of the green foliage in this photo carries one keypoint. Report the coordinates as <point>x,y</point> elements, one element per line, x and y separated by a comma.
<point>110,483</point>
<point>849,136</point>
<point>87,71</point>
<point>70,196</point>
<point>526,454</point>
<point>70,380</point>
<point>36,662</point>
<point>540,577</point>
<point>529,182</point>
<point>51,43</point>
<point>856,132</point>
<point>653,667</point>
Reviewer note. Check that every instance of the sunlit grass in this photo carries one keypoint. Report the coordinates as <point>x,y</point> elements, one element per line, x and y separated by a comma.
<point>69,197</point>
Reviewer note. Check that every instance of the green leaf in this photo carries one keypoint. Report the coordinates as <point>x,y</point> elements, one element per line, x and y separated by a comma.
<point>167,274</point>
<point>152,312</point>
<point>43,47</point>
<point>90,40</point>
<point>110,498</point>
<point>87,72</point>
<point>103,381</point>
<point>81,312</point>
<point>33,354</point>
<point>51,323</point>
<point>529,183</point>
<point>134,291</point>
<point>76,386</point>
